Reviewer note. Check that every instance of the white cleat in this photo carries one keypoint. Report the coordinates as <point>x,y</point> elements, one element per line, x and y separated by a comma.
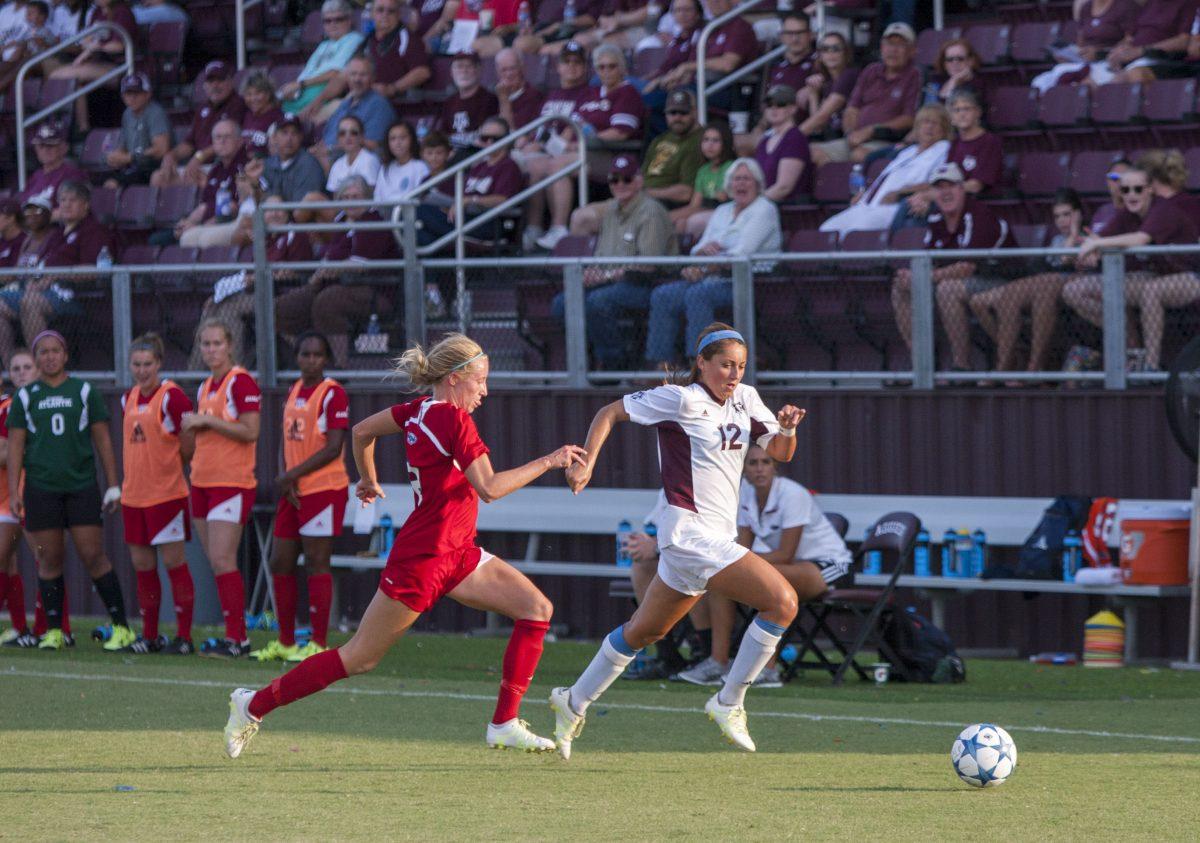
<point>515,734</point>
<point>567,724</point>
<point>242,725</point>
<point>732,721</point>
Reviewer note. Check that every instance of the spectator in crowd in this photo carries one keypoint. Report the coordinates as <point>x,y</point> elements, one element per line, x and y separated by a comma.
<point>957,69</point>
<point>435,19</point>
<point>314,94</point>
<point>41,237</point>
<point>355,158</point>
<point>798,62</point>
<point>906,178</point>
<point>262,112</point>
<point>235,307</point>
<point>371,108</point>
<point>150,12</point>
<point>624,23</point>
<point>783,151</point>
<point>490,35</point>
<point>632,224</point>
<point>730,46</point>
<point>674,157</point>
<point>66,21</point>
<point>291,172</point>
<point>213,220</point>
<point>187,161</point>
<point>746,225</point>
<point>30,37</point>
<point>520,102</point>
<point>1104,27</point>
<point>828,88</point>
<point>488,183</point>
<point>399,56</point>
<point>101,53</point>
<point>1173,219</point>
<point>556,145</point>
<point>960,221</point>
<point>435,155</point>
<point>11,233</point>
<point>331,302</point>
<point>883,103</point>
<point>145,134</point>
<point>708,188</point>
<point>464,112</point>
<point>1109,214</point>
<point>548,33</point>
<point>681,51</point>
<point>999,310</point>
<point>1159,38</point>
<point>78,244</point>
<point>402,170</point>
<point>50,146</point>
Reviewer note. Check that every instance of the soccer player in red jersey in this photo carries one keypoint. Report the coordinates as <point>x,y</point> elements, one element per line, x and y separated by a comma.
<point>434,554</point>
<point>21,371</point>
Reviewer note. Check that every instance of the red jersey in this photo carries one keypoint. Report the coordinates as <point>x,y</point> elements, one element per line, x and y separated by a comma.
<point>440,442</point>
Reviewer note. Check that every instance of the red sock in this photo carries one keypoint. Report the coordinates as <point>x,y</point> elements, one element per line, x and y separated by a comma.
<point>285,607</point>
<point>184,594</point>
<point>16,603</point>
<point>311,675</point>
<point>320,596</point>
<point>66,616</point>
<point>149,591</point>
<point>232,595</point>
<point>3,587</point>
<point>520,661</point>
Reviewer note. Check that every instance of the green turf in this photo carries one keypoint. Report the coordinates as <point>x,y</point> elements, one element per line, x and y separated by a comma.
<point>400,755</point>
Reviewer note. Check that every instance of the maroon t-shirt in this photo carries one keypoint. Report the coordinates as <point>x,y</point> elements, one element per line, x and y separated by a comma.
<point>372,245</point>
<point>34,254</point>
<point>1159,20</point>
<point>81,245</point>
<point>978,228</point>
<point>395,55</point>
<point>563,102</point>
<point>460,118</point>
<point>256,129</point>
<point>1172,222</point>
<point>982,158</point>
<point>795,75</point>
<point>1106,30</point>
<point>200,135</point>
<point>526,105</point>
<point>222,176</point>
<point>1109,221</point>
<point>47,184</point>
<point>880,99</point>
<point>793,144</point>
<point>10,249</point>
<point>621,108</point>
<point>503,178</point>
<point>122,16</point>
<point>431,11</point>
<point>682,48</point>
<point>290,247</point>
<point>736,36</point>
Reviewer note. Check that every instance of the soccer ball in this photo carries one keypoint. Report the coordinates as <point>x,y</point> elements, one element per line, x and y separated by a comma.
<point>983,755</point>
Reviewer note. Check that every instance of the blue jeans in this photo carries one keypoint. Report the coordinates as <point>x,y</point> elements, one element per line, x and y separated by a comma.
<point>698,301</point>
<point>603,307</point>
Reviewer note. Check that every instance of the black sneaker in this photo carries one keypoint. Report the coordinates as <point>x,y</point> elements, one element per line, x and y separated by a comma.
<point>68,639</point>
<point>25,640</point>
<point>224,648</point>
<point>178,647</point>
<point>647,670</point>
<point>142,646</point>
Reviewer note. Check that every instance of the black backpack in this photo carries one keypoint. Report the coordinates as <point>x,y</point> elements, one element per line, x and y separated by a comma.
<point>1040,557</point>
<point>927,653</point>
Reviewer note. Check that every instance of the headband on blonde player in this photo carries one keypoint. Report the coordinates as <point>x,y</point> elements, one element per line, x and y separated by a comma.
<point>451,354</point>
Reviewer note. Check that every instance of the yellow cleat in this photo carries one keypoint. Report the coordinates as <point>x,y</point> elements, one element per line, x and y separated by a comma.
<point>309,649</point>
<point>275,652</point>
<point>52,640</point>
<point>122,637</point>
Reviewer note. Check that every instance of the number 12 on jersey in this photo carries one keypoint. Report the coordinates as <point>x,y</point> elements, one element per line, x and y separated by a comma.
<point>730,434</point>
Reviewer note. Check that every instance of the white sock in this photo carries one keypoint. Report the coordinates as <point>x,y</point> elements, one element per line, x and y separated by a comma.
<point>606,666</point>
<point>758,644</point>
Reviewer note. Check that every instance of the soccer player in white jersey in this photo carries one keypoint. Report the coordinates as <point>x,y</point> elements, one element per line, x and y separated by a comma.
<point>704,431</point>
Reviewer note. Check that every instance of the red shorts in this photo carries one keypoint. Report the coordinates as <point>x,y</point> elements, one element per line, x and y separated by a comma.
<point>160,523</point>
<point>320,515</point>
<point>420,582</point>
<point>222,503</point>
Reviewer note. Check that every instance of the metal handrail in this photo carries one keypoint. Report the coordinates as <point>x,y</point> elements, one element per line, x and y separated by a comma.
<point>746,69</point>
<point>239,14</point>
<point>23,123</point>
<point>702,54</point>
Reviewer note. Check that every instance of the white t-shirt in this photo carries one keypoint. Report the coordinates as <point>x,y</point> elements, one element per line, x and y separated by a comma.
<point>395,180</point>
<point>790,505</point>
<point>366,164</point>
<point>701,451</point>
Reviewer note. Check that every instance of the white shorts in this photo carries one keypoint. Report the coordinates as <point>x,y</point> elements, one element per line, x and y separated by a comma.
<point>689,563</point>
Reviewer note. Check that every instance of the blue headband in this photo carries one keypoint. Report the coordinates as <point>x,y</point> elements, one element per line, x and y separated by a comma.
<point>717,336</point>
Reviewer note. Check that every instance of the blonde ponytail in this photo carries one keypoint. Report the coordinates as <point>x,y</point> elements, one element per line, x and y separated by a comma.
<point>423,369</point>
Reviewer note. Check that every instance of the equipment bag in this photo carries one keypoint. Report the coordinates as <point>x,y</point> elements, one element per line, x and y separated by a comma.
<point>927,653</point>
<point>1040,557</point>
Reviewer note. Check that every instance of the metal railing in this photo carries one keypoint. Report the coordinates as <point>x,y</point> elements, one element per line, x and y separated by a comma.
<point>239,15</point>
<point>702,55</point>
<point>24,122</point>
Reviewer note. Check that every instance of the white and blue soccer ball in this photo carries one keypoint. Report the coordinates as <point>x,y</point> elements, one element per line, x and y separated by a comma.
<point>983,755</point>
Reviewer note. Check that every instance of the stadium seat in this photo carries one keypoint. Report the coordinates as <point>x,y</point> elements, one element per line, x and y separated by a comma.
<point>136,210</point>
<point>1169,105</point>
<point>173,204</point>
<point>104,203</point>
<point>930,41</point>
<point>1011,112</point>
<point>991,41</point>
<point>1089,171</point>
<point>1192,157</point>
<point>1116,110</point>
<point>1064,106</point>
<point>165,46</point>
<point>1042,173</point>
<point>831,186</point>
<point>1031,41</point>
<point>1030,235</point>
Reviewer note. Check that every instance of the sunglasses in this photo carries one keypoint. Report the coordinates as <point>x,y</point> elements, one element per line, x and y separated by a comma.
<point>620,179</point>
<point>770,104</point>
<point>955,58</point>
<point>796,31</point>
<point>351,132</point>
<point>1133,188</point>
<point>491,138</point>
<point>831,48</point>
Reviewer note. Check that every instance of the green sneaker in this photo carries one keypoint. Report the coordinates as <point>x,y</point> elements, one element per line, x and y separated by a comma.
<point>309,649</point>
<point>52,640</point>
<point>122,637</point>
<point>274,652</point>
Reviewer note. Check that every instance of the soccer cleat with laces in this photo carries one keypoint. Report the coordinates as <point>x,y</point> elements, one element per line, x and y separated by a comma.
<point>142,646</point>
<point>24,640</point>
<point>274,652</point>
<point>120,638</point>
<point>732,721</point>
<point>178,647</point>
<point>309,649</point>
<point>224,648</point>
<point>242,725</point>
<point>515,734</point>
<point>567,724</point>
<point>52,640</point>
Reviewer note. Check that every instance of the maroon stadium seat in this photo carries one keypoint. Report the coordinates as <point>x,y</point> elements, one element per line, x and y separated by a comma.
<point>1031,41</point>
<point>646,62</point>
<point>1011,107</point>
<point>1030,235</point>
<point>930,41</point>
<point>51,91</point>
<point>1089,171</point>
<point>1116,109</point>
<point>991,41</point>
<point>94,145</point>
<point>1192,157</point>
<point>104,203</point>
<point>1064,106</point>
<point>832,183</point>
<point>174,203</point>
<point>574,246</point>
<point>1042,173</point>
<point>31,88</point>
<point>136,210</point>
<point>165,46</point>
<point>1169,100</point>
<point>140,255</point>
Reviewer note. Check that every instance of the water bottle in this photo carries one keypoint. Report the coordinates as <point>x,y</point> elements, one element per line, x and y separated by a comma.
<point>624,531</point>
<point>373,328</point>
<point>652,530</point>
<point>368,22</point>
<point>921,555</point>
<point>858,180</point>
<point>104,259</point>
<point>224,200</point>
<point>1071,553</point>
<point>569,14</point>
<point>931,94</point>
<point>873,562</point>
<point>524,18</point>
<point>979,552</point>
<point>389,535</point>
<point>963,550</point>
<point>949,569</point>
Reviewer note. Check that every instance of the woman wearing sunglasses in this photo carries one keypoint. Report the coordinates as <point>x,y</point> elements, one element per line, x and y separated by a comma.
<point>828,89</point>
<point>957,69</point>
<point>356,159</point>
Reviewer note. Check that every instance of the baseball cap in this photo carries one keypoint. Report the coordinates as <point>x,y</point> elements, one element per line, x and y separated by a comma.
<point>950,172</point>
<point>9,206</point>
<point>624,165</point>
<point>902,29</point>
<point>780,95</point>
<point>49,133</point>
<point>39,200</point>
<point>135,83</point>
<point>681,99</point>
<point>217,70</point>
<point>288,121</point>
<point>574,49</point>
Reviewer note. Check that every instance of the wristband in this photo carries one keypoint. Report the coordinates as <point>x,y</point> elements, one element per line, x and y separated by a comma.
<point>789,432</point>
<point>112,495</point>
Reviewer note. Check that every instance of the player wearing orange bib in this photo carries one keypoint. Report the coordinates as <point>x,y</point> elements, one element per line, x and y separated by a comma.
<point>154,496</point>
<point>12,589</point>
<point>225,430</point>
<point>312,498</point>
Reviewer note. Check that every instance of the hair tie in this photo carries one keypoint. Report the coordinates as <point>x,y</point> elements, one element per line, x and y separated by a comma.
<point>717,336</point>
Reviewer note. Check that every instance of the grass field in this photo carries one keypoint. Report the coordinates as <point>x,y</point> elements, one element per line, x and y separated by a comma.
<point>399,754</point>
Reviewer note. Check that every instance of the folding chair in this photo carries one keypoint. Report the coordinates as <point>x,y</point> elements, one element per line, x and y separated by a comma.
<point>893,535</point>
